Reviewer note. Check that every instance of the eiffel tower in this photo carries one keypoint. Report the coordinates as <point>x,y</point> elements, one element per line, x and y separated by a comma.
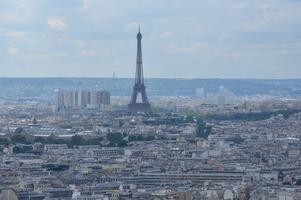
<point>139,87</point>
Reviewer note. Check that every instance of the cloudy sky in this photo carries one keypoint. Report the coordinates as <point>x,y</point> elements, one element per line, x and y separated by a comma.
<point>181,38</point>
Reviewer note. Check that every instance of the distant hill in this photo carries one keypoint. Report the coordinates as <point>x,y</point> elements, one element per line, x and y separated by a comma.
<point>34,87</point>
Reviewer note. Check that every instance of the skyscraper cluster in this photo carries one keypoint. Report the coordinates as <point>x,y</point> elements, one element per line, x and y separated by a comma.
<point>82,99</point>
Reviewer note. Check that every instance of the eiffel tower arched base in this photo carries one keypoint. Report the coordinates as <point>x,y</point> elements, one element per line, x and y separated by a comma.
<point>140,107</point>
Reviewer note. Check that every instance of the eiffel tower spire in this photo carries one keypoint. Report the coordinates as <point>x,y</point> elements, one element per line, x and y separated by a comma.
<point>139,87</point>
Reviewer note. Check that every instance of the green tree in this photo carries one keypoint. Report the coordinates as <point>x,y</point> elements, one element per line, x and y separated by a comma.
<point>39,140</point>
<point>150,138</point>
<point>53,140</point>
<point>56,167</point>
<point>115,137</point>
<point>77,140</point>
<point>202,130</point>
<point>19,139</point>
<point>298,182</point>
<point>93,141</point>
<point>123,143</point>
<point>132,138</point>
<point>18,130</point>
<point>4,141</point>
<point>22,149</point>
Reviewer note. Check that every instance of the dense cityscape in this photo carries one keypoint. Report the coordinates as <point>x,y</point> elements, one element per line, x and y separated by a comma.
<point>205,146</point>
<point>82,144</point>
<point>150,100</point>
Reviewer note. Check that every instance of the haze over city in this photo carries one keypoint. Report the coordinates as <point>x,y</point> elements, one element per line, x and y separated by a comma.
<point>181,39</point>
<point>150,99</point>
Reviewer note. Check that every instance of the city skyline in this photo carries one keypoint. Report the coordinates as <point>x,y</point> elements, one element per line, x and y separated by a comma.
<point>140,99</point>
<point>208,39</point>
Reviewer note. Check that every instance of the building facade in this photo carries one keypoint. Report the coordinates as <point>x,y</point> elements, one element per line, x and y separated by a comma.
<point>83,99</point>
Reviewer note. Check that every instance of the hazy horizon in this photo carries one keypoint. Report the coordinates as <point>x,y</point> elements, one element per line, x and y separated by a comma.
<point>170,78</point>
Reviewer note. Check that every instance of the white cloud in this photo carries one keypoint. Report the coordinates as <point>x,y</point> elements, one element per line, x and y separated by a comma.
<point>14,34</point>
<point>86,4</point>
<point>56,23</point>
<point>167,35</point>
<point>67,41</point>
<point>132,26</point>
<point>12,50</point>
<point>89,53</point>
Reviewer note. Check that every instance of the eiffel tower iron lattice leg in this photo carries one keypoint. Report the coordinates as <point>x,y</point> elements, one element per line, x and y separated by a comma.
<point>139,87</point>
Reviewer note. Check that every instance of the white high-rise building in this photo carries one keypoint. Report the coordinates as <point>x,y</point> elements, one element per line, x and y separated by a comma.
<point>200,92</point>
<point>82,99</point>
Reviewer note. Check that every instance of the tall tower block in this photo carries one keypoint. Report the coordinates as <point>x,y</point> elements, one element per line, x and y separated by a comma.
<point>139,87</point>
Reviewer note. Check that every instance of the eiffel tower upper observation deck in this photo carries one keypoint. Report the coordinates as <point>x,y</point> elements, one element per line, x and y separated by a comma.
<point>139,87</point>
